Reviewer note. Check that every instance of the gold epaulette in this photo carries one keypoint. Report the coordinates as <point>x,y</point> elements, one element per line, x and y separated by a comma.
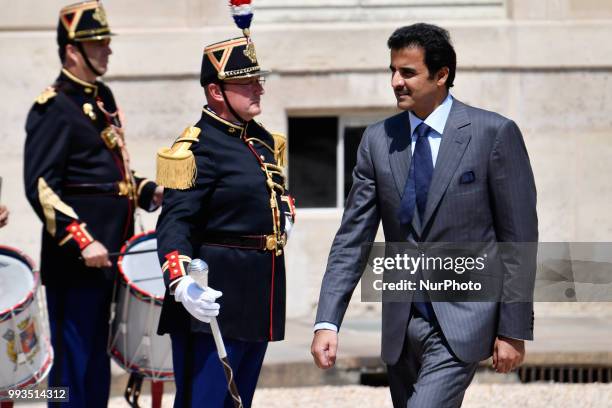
<point>48,93</point>
<point>280,149</point>
<point>176,166</point>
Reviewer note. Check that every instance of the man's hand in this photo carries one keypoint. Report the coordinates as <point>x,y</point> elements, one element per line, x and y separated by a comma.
<point>95,255</point>
<point>508,354</point>
<point>158,196</point>
<point>4,213</point>
<point>324,347</point>
<point>200,303</point>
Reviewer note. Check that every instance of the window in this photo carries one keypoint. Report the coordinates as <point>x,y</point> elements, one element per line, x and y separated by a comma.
<point>312,160</point>
<point>322,155</point>
<point>352,138</point>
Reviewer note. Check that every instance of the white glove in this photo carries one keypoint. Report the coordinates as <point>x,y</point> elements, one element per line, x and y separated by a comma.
<point>200,303</point>
<point>288,226</point>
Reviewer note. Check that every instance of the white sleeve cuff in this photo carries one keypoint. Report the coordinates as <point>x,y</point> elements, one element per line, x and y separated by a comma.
<point>325,326</point>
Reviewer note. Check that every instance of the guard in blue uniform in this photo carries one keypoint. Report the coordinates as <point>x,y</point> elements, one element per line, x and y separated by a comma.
<point>225,202</point>
<point>78,180</point>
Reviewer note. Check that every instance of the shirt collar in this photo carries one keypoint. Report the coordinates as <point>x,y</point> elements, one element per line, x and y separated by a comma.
<point>436,119</point>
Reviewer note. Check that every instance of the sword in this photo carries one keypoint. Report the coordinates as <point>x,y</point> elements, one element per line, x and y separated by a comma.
<point>198,270</point>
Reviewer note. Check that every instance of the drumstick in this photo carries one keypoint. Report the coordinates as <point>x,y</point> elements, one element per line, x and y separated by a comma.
<point>118,254</point>
<point>142,251</point>
<point>198,270</point>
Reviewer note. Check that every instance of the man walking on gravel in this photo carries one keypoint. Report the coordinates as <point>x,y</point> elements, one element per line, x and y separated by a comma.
<point>440,171</point>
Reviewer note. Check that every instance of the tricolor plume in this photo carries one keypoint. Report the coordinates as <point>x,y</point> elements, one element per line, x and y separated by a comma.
<point>242,12</point>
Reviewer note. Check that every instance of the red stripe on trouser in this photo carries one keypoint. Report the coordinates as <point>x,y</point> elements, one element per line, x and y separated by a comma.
<point>272,293</point>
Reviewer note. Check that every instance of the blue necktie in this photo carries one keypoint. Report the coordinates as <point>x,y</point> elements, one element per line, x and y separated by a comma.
<point>419,177</point>
<point>415,194</point>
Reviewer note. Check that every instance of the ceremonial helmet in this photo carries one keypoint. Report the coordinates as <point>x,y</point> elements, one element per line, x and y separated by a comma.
<point>85,21</point>
<point>230,59</point>
<point>234,58</point>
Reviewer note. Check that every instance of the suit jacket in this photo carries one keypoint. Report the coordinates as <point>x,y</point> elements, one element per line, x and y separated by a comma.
<point>498,205</point>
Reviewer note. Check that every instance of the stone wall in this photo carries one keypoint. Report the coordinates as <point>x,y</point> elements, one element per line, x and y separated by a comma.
<point>546,64</point>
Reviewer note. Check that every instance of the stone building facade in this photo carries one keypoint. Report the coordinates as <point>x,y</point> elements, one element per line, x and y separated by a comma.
<point>547,64</point>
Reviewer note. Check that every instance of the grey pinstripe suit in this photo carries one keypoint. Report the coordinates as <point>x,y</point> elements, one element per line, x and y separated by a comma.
<point>498,206</point>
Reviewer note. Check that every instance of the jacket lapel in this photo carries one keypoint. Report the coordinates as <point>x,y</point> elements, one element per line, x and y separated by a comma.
<point>397,129</point>
<point>454,142</point>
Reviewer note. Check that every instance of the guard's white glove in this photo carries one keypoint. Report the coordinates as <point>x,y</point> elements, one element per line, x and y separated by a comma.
<point>288,226</point>
<point>200,303</point>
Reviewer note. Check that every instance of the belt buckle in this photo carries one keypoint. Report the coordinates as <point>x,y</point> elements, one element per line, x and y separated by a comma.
<point>276,244</point>
<point>270,242</point>
<point>126,189</point>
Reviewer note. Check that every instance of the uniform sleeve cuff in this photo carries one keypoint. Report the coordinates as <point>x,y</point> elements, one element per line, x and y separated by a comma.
<point>175,267</point>
<point>78,233</point>
<point>145,192</point>
<point>290,205</point>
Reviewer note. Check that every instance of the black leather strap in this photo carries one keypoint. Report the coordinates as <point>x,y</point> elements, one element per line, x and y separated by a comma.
<point>91,189</point>
<point>235,241</point>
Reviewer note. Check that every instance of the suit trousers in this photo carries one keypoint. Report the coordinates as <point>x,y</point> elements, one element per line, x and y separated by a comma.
<point>428,374</point>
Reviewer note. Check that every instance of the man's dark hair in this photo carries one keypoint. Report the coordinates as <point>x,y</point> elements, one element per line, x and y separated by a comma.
<point>436,45</point>
<point>61,50</point>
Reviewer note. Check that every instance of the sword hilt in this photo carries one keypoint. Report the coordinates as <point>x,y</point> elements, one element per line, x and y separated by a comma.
<point>198,270</point>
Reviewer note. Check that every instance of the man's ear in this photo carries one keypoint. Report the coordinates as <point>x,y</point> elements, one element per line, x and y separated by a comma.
<point>442,76</point>
<point>213,91</point>
<point>71,53</point>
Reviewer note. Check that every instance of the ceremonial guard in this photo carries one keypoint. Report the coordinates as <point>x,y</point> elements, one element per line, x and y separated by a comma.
<point>78,180</point>
<point>225,202</point>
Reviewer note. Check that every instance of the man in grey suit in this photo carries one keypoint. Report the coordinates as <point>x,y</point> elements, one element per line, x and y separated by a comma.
<point>441,171</point>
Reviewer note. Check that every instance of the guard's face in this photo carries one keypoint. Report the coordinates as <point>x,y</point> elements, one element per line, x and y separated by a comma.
<point>414,89</point>
<point>98,53</point>
<point>245,96</point>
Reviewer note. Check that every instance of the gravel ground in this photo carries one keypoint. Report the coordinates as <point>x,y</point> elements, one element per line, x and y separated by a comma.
<point>477,396</point>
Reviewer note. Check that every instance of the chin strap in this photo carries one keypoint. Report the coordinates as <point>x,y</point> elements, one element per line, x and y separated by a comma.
<point>229,105</point>
<point>81,49</point>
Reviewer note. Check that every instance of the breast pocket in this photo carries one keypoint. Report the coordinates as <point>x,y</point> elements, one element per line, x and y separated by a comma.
<point>458,215</point>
